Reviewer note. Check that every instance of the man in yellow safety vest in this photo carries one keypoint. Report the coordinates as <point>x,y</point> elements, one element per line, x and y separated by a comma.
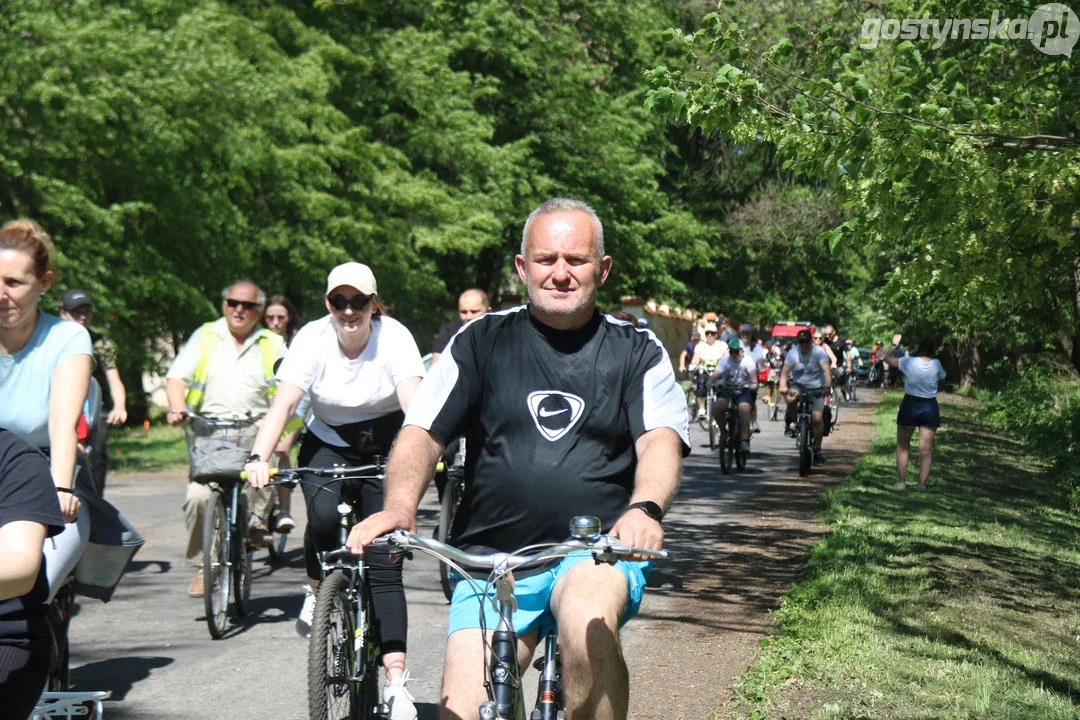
<point>225,370</point>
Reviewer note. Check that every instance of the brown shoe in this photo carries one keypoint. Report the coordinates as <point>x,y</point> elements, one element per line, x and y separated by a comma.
<point>258,534</point>
<point>195,589</point>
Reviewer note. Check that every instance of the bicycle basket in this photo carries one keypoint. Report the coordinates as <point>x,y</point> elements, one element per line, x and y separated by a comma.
<point>218,450</point>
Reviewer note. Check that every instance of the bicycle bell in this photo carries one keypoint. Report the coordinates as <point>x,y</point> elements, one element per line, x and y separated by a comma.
<point>585,527</point>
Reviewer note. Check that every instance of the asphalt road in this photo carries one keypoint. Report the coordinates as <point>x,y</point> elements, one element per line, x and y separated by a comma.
<point>150,648</point>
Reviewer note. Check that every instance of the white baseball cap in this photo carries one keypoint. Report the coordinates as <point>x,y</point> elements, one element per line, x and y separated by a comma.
<point>355,275</point>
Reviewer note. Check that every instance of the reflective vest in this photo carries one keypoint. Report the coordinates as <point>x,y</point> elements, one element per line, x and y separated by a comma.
<point>270,345</point>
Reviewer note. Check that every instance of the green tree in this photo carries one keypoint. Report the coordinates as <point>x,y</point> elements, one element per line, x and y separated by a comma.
<point>960,163</point>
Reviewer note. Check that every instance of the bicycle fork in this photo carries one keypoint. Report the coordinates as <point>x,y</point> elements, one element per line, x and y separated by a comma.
<point>549,691</point>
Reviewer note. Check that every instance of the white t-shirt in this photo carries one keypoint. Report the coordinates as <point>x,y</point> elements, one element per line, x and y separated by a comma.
<point>740,373</point>
<point>711,354</point>
<point>756,353</point>
<point>921,375</point>
<point>344,391</point>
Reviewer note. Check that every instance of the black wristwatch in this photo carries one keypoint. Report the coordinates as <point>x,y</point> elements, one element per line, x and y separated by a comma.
<point>649,508</point>
<point>254,457</point>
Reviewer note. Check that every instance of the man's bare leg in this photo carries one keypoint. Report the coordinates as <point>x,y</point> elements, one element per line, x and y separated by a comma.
<point>463,673</point>
<point>588,602</point>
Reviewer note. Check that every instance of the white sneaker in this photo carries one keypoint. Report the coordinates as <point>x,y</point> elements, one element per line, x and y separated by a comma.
<point>307,612</point>
<point>400,700</point>
<point>754,427</point>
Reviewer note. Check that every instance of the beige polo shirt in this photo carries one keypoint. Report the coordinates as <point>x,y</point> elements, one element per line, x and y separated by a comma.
<point>236,384</point>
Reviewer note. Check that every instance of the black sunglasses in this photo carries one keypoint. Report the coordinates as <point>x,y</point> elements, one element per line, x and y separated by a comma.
<point>356,302</point>
<point>246,304</point>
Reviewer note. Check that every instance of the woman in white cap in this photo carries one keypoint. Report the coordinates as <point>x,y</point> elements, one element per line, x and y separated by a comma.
<point>360,370</point>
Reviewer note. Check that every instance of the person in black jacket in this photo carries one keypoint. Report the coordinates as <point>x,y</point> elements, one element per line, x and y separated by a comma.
<point>29,513</point>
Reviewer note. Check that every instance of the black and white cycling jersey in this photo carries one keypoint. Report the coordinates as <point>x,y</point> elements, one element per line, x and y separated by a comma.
<point>550,419</point>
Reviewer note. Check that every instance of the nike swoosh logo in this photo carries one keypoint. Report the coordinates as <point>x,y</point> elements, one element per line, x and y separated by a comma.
<point>546,413</point>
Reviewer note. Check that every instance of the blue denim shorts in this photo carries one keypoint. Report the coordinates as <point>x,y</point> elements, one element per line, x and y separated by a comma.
<point>918,412</point>
<point>533,596</point>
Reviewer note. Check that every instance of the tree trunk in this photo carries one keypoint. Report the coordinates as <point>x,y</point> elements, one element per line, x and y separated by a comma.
<point>968,360</point>
<point>1074,335</point>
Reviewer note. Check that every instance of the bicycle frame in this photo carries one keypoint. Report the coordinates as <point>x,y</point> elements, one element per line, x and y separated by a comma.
<point>503,673</point>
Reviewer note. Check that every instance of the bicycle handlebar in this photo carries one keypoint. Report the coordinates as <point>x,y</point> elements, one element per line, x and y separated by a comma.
<point>603,548</point>
<point>221,422</point>
<point>292,475</point>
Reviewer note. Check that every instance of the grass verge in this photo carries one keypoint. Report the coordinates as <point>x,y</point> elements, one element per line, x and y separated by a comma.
<point>159,449</point>
<point>962,602</point>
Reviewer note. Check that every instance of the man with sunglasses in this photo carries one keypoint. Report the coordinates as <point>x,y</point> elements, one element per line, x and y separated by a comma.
<point>225,370</point>
<point>807,368</point>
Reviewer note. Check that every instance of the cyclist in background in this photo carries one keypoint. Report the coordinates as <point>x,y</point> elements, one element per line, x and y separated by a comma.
<point>706,357</point>
<point>753,349</point>
<point>471,304</point>
<point>78,307</point>
<point>573,413</point>
<point>281,317</point>
<point>225,370</point>
<point>688,351</point>
<point>807,367</point>
<point>740,371</point>
<point>852,360</point>
<point>360,370</point>
<point>45,366</point>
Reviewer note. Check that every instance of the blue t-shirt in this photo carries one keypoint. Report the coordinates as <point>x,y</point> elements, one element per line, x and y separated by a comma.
<point>26,376</point>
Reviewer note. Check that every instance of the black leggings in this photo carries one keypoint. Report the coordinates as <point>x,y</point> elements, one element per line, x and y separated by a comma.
<point>384,575</point>
<point>22,678</point>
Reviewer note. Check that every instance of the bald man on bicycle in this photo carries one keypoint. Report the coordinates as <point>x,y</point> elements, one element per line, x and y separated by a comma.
<point>572,412</point>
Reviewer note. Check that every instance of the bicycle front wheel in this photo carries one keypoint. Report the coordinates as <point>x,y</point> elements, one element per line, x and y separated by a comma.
<point>242,563</point>
<point>215,563</point>
<point>342,679</point>
<point>806,447</point>
<point>448,508</point>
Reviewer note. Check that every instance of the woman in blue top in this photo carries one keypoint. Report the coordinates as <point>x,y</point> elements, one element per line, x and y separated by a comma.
<point>919,408</point>
<point>45,366</point>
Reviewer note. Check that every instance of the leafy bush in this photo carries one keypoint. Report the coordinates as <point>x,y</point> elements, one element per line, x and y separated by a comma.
<point>1041,406</point>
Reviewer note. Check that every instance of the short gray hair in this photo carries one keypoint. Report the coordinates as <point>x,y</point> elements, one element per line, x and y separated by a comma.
<point>557,205</point>
<point>261,295</point>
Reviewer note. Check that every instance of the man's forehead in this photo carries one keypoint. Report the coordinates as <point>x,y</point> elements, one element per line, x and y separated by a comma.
<point>565,230</point>
<point>243,289</point>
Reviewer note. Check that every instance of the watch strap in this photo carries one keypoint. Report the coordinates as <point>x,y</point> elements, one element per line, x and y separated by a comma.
<point>650,508</point>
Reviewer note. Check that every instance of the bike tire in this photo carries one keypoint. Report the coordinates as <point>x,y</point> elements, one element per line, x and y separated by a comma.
<point>725,462</point>
<point>836,395</point>
<point>852,395</point>
<point>714,430</point>
<point>806,447</point>
<point>774,407</point>
<point>740,454</point>
<point>59,622</point>
<point>731,448</point>
<point>243,564</point>
<point>447,509</point>
<point>277,547</point>
<point>332,659</point>
<point>216,585</point>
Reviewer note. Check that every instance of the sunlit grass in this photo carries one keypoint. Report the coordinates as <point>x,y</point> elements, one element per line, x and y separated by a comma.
<point>959,603</point>
<point>156,449</point>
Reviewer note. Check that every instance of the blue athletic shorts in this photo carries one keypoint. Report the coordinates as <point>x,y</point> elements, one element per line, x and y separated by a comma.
<point>918,412</point>
<point>533,595</point>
